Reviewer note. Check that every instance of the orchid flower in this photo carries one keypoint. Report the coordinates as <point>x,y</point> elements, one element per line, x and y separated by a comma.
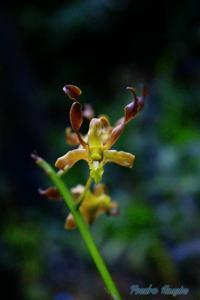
<point>95,146</point>
<point>96,203</point>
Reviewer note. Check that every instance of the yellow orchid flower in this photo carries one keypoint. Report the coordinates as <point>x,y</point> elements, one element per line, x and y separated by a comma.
<point>94,204</point>
<point>95,147</point>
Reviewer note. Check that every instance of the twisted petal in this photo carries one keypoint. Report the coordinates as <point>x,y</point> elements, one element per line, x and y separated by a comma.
<point>121,158</point>
<point>130,111</point>
<point>70,158</point>
<point>136,105</point>
<point>115,134</point>
<point>105,121</point>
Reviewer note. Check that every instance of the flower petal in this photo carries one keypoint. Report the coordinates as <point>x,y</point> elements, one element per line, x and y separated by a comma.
<point>104,120</point>
<point>94,133</point>
<point>121,158</point>
<point>72,91</point>
<point>77,191</point>
<point>130,111</point>
<point>70,158</point>
<point>115,134</point>
<point>136,105</point>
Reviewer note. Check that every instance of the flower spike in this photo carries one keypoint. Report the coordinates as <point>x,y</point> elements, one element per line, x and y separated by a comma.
<point>87,203</point>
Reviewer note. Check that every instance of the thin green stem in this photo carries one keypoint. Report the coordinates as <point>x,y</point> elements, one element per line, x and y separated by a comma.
<point>83,228</point>
<point>87,186</point>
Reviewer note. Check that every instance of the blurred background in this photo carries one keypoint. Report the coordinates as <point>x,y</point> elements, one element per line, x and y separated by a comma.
<point>101,46</point>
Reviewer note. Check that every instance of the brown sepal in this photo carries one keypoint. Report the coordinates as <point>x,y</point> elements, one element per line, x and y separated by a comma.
<point>115,134</point>
<point>76,119</point>
<point>51,193</point>
<point>136,105</point>
<point>76,116</point>
<point>131,110</point>
<point>72,91</point>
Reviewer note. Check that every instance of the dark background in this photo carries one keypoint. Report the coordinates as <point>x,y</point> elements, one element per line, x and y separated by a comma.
<point>101,46</point>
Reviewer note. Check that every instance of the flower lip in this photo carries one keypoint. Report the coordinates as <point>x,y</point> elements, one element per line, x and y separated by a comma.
<point>95,164</point>
<point>96,153</point>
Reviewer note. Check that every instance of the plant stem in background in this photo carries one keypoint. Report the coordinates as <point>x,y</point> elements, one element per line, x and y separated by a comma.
<point>83,227</point>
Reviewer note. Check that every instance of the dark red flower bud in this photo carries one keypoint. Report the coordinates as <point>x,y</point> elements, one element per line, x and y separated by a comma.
<point>131,110</point>
<point>72,91</point>
<point>76,119</point>
<point>76,116</point>
<point>136,105</point>
<point>51,193</point>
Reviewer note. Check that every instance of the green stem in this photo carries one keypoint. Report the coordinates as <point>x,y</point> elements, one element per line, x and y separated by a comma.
<point>83,228</point>
<point>87,186</point>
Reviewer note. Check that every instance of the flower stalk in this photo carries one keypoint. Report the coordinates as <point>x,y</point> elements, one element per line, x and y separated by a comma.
<point>86,204</point>
<point>87,187</point>
<point>82,226</point>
